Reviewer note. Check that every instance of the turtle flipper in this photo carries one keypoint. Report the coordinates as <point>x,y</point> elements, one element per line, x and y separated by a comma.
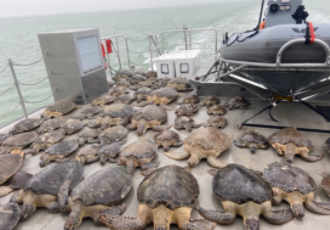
<point>92,159</point>
<point>158,128</point>
<point>122,222</point>
<point>177,155</point>
<point>4,190</point>
<point>317,208</point>
<point>178,144</point>
<point>113,211</point>
<point>218,216</point>
<point>17,197</point>
<point>52,207</point>
<point>280,216</point>
<point>63,198</point>
<point>216,163</point>
<point>166,107</point>
<point>196,126</point>
<point>149,167</point>
<point>198,224</point>
<point>238,144</point>
<point>311,158</point>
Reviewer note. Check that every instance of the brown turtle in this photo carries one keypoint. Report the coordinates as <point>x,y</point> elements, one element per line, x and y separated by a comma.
<point>87,154</point>
<point>109,152</point>
<point>243,192</point>
<point>87,113</point>
<point>190,99</point>
<point>58,151</point>
<point>43,188</point>
<point>116,114</point>
<point>185,123</point>
<point>151,74</point>
<point>17,181</point>
<point>252,140</point>
<point>9,216</point>
<point>3,137</point>
<point>88,135</point>
<point>122,82</point>
<point>103,100</point>
<point>150,116</point>
<point>124,99</point>
<point>140,72</point>
<point>206,143</point>
<point>142,94</point>
<point>18,142</point>
<point>118,91</point>
<point>58,108</point>
<point>112,134</point>
<point>46,140</point>
<point>139,154</point>
<point>27,125</point>
<point>216,122</point>
<point>180,84</point>
<point>210,101</point>
<point>325,183</point>
<point>72,126</point>
<point>289,142</point>
<point>136,78</point>
<point>216,110</point>
<point>159,84</point>
<point>51,125</point>
<point>166,138</point>
<point>187,110</point>
<point>98,194</point>
<point>123,74</point>
<point>296,187</point>
<point>237,102</point>
<point>166,196</point>
<point>148,83</point>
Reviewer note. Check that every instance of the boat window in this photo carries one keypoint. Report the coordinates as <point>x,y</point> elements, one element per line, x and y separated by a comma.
<point>165,69</point>
<point>184,68</point>
<point>89,53</point>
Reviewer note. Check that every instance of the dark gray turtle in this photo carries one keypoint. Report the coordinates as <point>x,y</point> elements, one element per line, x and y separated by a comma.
<point>136,78</point>
<point>142,94</point>
<point>98,194</point>
<point>325,183</point>
<point>109,152</point>
<point>58,151</point>
<point>237,102</point>
<point>150,116</point>
<point>206,143</point>
<point>185,123</point>
<point>112,134</point>
<point>9,216</point>
<point>327,145</point>
<point>289,142</point>
<point>17,181</point>
<point>252,140</point>
<point>216,122</point>
<point>157,85</point>
<point>87,154</point>
<point>88,135</point>
<point>123,74</point>
<point>4,137</point>
<point>43,188</point>
<point>148,83</point>
<point>27,125</point>
<point>103,100</point>
<point>166,196</point>
<point>216,110</point>
<point>118,91</point>
<point>46,140</point>
<point>210,101</point>
<point>124,99</point>
<point>58,108</point>
<point>51,124</point>
<point>72,126</point>
<point>139,154</point>
<point>166,138</point>
<point>243,192</point>
<point>296,187</point>
<point>87,113</point>
<point>186,110</point>
<point>190,99</point>
<point>116,114</point>
<point>180,84</point>
<point>18,142</point>
<point>122,83</point>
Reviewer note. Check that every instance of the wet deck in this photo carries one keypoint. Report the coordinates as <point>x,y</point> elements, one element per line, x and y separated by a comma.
<point>289,114</point>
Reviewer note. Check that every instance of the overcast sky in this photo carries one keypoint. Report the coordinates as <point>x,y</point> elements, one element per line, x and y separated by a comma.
<point>16,8</point>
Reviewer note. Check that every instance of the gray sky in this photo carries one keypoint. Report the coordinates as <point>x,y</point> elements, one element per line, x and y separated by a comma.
<point>16,8</point>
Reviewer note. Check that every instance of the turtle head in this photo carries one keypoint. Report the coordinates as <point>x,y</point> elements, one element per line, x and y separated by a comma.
<point>251,224</point>
<point>72,222</point>
<point>27,210</point>
<point>82,141</point>
<point>142,127</point>
<point>298,210</point>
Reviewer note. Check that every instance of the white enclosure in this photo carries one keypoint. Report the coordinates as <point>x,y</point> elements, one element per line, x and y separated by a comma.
<point>165,66</point>
<point>187,63</point>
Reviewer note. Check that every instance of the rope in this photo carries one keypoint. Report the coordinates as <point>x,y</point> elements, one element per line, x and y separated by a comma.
<point>10,112</point>
<point>29,64</point>
<point>4,68</point>
<point>137,40</point>
<point>7,90</point>
<point>35,102</point>
<point>36,83</point>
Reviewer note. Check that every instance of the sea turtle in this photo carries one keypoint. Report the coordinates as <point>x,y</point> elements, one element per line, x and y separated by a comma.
<point>123,83</point>
<point>159,84</point>
<point>140,72</point>
<point>187,110</point>
<point>87,113</point>
<point>190,99</point>
<point>123,74</point>
<point>139,154</point>
<point>9,216</point>
<point>18,142</point>
<point>147,83</point>
<point>243,192</point>
<point>58,108</point>
<point>166,196</point>
<point>289,142</point>
<point>216,122</point>
<point>124,99</point>
<point>327,145</point>
<point>58,151</point>
<point>237,102</point>
<point>88,135</point>
<point>98,194</point>
<point>4,136</point>
<point>103,100</point>
<point>296,187</point>
<point>216,110</point>
<point>72,126</point>
<point>27,125</point>
<point>210,101</point>
<point>109,152</point>
<point>180,84</point>
<point>43,188</point>
<point>112,134</point>
<point>166,138</point>
<point>150,116</point>
<point>252,140</point>
<point>325,183</point>
<point>46,140</point>
<point>87,154</point>
<point>204,143</point>
<point>51,124</point>
<point>116,114</point>
<point>151,74</point>
<point>142,94</point>
<point>136,78</point>
<point>185,123</point>
<point>118,91</point>
<point>17,181</point>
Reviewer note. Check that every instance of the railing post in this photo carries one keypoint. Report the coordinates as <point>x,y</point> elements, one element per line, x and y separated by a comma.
<point>189,40</point>
<point>118,52</point>
<point>163,43</point>
<point>150,49</point>
<point>127,51</point>
<point>17,87</point>
<point>185,36</point>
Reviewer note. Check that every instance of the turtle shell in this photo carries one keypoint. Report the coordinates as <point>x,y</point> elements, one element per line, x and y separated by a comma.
<point>187,108</point>
<point>9,165</point>
<point>289,178</point>
<point>9,216</point>
<point>112,150</point>
<point>63,148</point>
<point>144,91</point>
<point>19,179</point>
<point>253,137</point>
<point>240,185</point>
<point>179,80</point>
<point>191,98</point>
<point>73,125</point>
<point>137,78</point>
<point>114,133</point>
<point>49,180</point>
<point>166,135</point>
<point>212,98</point>
<point>88,132</point>
<point>105,187</point>
<point>209,138</point>
<point>217,108</point>
<point>171,186</point>
<point>152,112</point>
<point>88,150</point>
<point>22,139</point>
<point>106,99</point>
<point>165,92</point>
<point>118,110</point>
<point>27,124</point>
<point>51,124</point>
<point>49,138</point>
<point>123,74</point>
<point>91,110</point>
<point>119,91</point>
<point>124,97</point>
<point>216,119</point>
<point>4,137</point>
<point>287,135</point>
<point>184,120</point>
<point>63,107</point>
<point>151,74</point>
<point>140,149</point>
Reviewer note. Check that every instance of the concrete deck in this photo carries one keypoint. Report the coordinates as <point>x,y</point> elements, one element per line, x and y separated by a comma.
<point>289,114</point>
